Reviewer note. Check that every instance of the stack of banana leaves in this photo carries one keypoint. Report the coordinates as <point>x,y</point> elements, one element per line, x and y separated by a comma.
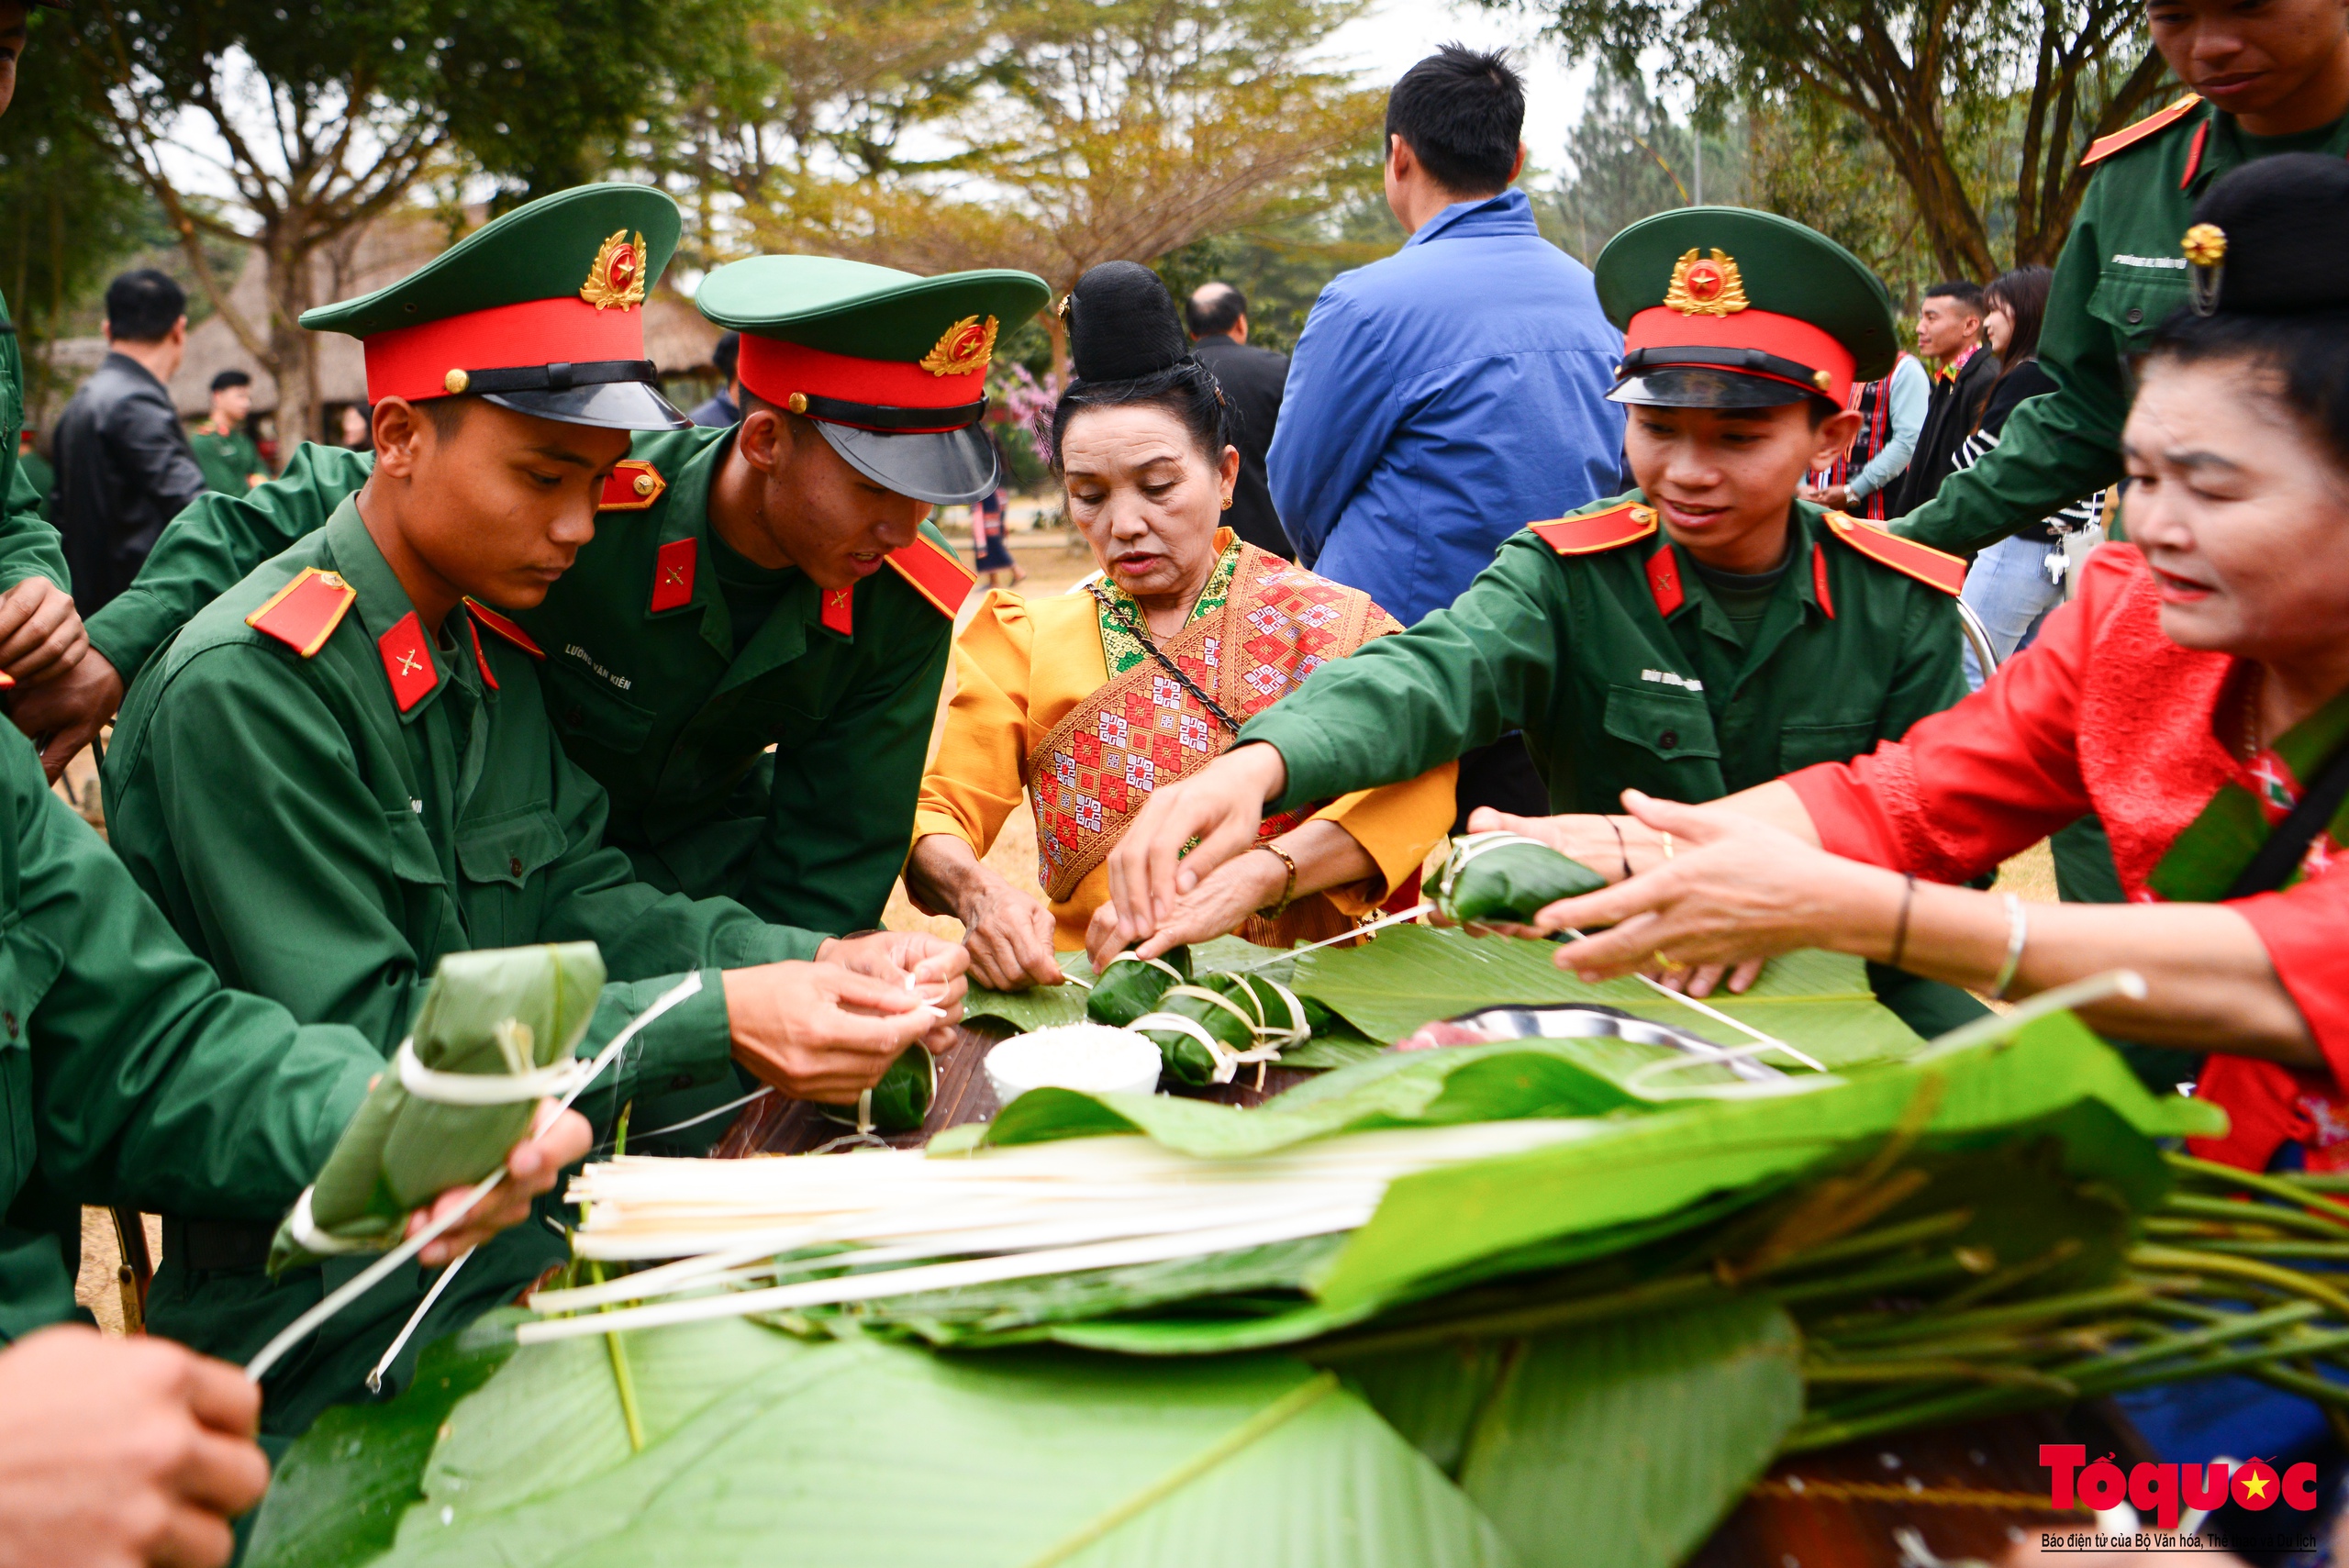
<point>1544,1301</point>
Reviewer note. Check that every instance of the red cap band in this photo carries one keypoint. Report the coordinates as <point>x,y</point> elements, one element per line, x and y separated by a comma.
<point>1659,329</point>
<point>414,363</point>
<point>774,369</point>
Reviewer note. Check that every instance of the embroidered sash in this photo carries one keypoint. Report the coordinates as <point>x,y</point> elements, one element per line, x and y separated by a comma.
<point>1093,773</point>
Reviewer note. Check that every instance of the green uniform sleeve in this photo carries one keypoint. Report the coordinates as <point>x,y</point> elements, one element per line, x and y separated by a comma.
<point>1462,677</point>
<point>213,543</point>
<point>30,546</point>
<point>152,1086</point>
<point>831,854</point>
<point>296,887</point>
<point>1931,675</point>
<point>2055,448</point>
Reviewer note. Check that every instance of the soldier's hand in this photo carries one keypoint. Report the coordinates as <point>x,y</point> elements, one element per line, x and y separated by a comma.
<point>817,1031</point>
<point>1009,935</point>
<point>119,1453</point>
<point>933,968</point>
<point>557,1140</point>
<point>1222,806</point>
<point>41,631</point>
<point>65,713</point>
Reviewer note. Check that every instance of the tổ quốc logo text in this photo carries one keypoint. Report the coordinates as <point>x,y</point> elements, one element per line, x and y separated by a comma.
<point>2167,1491</point>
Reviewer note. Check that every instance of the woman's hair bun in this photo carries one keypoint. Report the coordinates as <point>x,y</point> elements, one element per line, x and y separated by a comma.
<point>1122,323</point>
<point>2285,222</point>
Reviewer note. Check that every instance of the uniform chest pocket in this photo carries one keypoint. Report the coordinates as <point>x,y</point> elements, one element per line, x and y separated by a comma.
<point>1801,745</point>
<point>2133,301</point>
<point>511,847</point>
<point>585,706</point>
<point>29,966</point>
<point>414,857</point>
<point>1672,724</point>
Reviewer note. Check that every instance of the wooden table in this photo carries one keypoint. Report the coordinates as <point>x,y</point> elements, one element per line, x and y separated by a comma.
<point>1967,1493</point>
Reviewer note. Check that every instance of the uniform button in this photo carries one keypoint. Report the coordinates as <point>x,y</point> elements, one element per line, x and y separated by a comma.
<point>2136,314</point>
<point>1668,739</point>
<point>514,865</point>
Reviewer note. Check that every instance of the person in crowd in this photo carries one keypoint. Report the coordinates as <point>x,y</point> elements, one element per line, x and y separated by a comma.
<point>355,427</point>
<point>2196,693</point>
<point>1949,331</point>
<point>225,452</point>
<point>990,527</point>
<point>1444,397</point>
<point>124,465</point>
<point>30,463</point>
<point>2263,80</point>
<point>2012,584</point>
<point>344,768</point>
<point>722,409</point>
<point>1088,701</point>
<point>1892,414</point>
<point>1703,634</point>
<point>1252,380</point>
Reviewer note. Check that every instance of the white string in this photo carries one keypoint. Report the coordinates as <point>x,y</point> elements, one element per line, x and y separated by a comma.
<point>481,1088</point>
<point>1365,928</point>
<point>359,1285</point>
<point>697,1120</point>
<point>407,1329</point>
<point>1719,1017</point>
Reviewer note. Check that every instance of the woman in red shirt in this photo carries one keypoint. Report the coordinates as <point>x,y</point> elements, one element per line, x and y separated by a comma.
<point>2193,695</point>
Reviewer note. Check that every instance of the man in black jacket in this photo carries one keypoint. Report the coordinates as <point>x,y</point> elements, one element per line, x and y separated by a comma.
<point>124,465</point>
<point>1252,378</point>
<point>1949,328</point>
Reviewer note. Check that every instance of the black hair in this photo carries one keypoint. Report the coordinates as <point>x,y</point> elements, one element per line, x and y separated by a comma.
<point>1214,310</point>
<point>1460,111</point>
<point>1965,293</point>
<point>727,354</point>
<point>2309,356</point>
<point>1127,349</point>
<point>229,378</point>
<point>142,306</point>
<point>2023,293</point>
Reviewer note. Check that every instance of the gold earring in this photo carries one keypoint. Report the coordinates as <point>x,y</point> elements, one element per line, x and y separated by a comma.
<point>1227,503</point>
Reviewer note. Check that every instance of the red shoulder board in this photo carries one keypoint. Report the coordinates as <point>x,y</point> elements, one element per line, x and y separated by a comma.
<point>1610,529</point>
<point>2127,137</point>
<point>303,613</point>
<point>1906,556</point>
<point>505,629</point>
<point>634,485</point>
<point>937,574</point>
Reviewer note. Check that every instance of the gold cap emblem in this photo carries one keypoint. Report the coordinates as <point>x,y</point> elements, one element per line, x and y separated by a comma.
<point>1702,287</point>
<point>617,279</point>
<point>2205,245</point>
<point>966,346</point>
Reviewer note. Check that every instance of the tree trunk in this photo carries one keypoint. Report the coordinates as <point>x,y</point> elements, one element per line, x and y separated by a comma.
<point>293,353</point>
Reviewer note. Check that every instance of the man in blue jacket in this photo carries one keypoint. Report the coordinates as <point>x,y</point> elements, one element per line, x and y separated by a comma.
<point>1442,398</point>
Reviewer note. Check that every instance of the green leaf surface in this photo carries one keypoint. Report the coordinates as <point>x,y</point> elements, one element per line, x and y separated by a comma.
<point>854,1452</point>
<point>338,1495</point>
<point>1046,1006</point>
<point>1627,1442</point>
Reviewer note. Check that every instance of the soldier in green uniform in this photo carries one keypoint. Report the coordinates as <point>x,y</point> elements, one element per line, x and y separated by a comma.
<point>1707,630</point>
<point>2269,78</point>
<point>230,461</point>
<point>344,767</point>
<point>748,656</point>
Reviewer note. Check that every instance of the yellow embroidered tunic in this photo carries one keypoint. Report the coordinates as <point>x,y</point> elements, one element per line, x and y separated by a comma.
<point>1022,665</point>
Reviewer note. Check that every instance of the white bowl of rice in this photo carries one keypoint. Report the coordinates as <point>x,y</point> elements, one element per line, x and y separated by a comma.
<point>1093,1058</point>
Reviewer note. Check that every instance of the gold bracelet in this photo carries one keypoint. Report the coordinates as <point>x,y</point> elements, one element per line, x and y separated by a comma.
<point>1289,892</point>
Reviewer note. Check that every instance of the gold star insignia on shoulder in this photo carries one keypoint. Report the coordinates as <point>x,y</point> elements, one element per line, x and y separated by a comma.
<point>1703,287</point>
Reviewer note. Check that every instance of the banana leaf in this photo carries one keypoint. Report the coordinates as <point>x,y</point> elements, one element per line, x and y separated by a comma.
<point>853,1452</point>
<point>1043,1007</point>
<point>1132,986</point>
<point>1506,876</point>
<point>503,1012</point>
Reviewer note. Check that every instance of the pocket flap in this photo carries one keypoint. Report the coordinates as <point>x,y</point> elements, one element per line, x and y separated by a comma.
<point>584,706</point>
<point>510,847</point>
<point>1672,724</point>
<point>29,966</point>
<point>1800,745</point>
<point>2132,304</point>
<point>414,858</point>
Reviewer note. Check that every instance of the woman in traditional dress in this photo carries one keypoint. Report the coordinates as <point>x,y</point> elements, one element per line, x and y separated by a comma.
<point>2195,695</point>
<point>1090,699</point>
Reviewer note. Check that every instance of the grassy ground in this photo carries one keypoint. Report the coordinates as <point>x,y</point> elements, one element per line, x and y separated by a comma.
<point>1052,566</point>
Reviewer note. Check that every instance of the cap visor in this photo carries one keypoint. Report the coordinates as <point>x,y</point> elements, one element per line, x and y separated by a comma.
<point>612,404</point>
<point>950,468</point>
<point>1676,387</point>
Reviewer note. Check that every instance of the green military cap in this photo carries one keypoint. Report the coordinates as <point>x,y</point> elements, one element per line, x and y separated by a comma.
<point>1732,308</point>
<point>540,310</point>
<point>891,366</point>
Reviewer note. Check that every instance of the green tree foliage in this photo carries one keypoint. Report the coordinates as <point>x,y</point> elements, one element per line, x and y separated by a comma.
<point>1627,158</point>
<point>67,213</point>
<point>1978,104</point>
